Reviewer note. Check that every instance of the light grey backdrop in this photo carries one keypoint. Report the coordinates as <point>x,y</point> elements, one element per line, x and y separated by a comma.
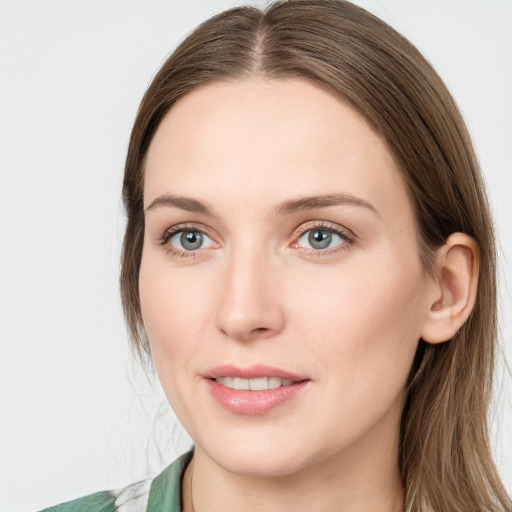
<point>75,413</point>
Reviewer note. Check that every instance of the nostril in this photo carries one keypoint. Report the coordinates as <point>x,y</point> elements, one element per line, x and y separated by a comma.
<point>259,332</point>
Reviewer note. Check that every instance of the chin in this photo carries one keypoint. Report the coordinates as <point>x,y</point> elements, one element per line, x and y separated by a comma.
<point>258,463</point>
<point>260,454</point>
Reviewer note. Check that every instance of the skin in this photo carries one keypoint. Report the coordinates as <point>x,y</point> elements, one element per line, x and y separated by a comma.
<point>348,317</point>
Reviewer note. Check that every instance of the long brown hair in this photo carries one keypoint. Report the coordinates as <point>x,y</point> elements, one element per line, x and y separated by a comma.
<point>445,459</point>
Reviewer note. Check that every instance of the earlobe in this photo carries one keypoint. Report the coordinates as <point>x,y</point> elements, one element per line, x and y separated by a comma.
<point>453,290</point>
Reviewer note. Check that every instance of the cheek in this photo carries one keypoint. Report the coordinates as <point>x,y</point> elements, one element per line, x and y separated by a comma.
<point>365,321</point>
<point>360,332</point>
<point>173,309</point>
<point>174,317</point>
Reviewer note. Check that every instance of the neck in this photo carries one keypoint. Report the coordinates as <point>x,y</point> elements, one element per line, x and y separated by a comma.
<point>362,479</point>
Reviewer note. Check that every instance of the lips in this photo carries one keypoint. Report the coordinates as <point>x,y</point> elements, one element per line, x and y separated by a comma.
<point>252,372</point>
<point>253,390</point>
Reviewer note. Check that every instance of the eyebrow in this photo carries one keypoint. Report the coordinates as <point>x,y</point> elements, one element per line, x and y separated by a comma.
<point>322,201</point>
<point>287,207</point>
<point>183,203</point>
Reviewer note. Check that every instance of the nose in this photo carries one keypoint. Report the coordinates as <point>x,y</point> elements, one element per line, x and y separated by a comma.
<point>250,306</point>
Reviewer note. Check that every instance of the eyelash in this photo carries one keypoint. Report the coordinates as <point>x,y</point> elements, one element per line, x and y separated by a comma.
<point>167,236</point>
<point>345,234</point>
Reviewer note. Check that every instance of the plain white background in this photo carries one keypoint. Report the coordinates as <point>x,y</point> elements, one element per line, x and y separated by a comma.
<point>76,414</point>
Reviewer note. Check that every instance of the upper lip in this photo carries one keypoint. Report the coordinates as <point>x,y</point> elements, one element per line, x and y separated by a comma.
<point>251,372</point>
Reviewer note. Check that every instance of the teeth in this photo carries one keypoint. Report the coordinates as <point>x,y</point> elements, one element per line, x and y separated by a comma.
<point>259,384</point>
<point>241,383</point>
<point>274,382</point>
<point>228,382</point>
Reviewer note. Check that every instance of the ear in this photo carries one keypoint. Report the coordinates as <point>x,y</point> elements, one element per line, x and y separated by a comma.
<point>452,290</point>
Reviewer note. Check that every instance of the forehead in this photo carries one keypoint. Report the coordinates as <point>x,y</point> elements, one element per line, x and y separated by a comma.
<point>268,139</point>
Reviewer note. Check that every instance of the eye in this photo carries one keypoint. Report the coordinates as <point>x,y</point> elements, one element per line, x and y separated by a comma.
<point>190,240</point>
<point>321,239</point>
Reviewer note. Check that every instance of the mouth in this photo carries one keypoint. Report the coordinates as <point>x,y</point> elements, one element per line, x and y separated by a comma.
<point>254,390</point>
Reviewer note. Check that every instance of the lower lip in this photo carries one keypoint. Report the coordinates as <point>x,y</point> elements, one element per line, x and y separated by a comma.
<point>253,402</point>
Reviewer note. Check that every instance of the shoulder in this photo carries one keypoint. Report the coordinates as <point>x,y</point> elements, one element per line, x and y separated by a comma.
<point>165,491</point>
<point>133,498</point>
<point>98,502</point>
<point>151,495</point>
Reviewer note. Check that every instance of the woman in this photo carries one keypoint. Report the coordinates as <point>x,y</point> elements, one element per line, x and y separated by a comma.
<point>309,263</point>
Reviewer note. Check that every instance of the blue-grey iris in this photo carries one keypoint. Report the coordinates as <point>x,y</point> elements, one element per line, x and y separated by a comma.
<point>319,239</point>
<point>191,240</point>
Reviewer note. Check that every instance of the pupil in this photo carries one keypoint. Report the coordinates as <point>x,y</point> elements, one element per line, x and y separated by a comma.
<point>191,240</point>
<point>320,239</point>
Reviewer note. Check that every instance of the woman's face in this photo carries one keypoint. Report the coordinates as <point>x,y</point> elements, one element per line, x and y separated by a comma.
<point>280,255</point>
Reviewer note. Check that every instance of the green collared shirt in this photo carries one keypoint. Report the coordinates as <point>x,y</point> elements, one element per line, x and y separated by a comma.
<point>159,494</point>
